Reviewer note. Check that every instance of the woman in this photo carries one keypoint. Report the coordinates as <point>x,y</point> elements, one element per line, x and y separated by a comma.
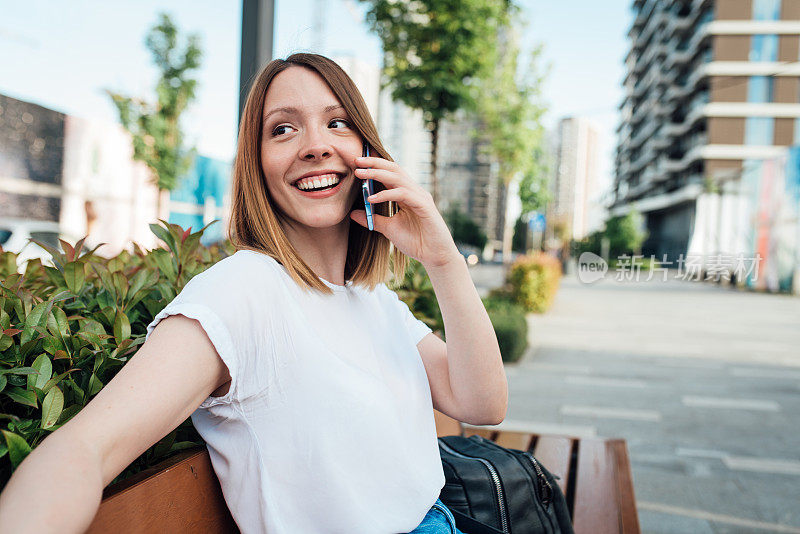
<point>296,363</point>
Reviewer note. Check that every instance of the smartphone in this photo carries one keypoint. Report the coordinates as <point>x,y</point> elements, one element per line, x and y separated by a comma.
<point>367,189</point>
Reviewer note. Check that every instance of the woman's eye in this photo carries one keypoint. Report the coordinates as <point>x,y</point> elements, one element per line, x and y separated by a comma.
<point>346,124</point>
<point>277,130</point>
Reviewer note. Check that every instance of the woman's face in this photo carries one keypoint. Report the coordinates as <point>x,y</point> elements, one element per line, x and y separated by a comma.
<point>308,134</point>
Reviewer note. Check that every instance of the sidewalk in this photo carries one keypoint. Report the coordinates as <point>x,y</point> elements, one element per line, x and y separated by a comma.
<point>703,382</point>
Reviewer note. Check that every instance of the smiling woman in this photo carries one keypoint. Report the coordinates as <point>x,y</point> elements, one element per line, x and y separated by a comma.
<point>312,384</point>
<point>305,118</point>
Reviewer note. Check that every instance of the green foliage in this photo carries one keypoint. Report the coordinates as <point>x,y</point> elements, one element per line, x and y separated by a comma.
<point>417,292</point>
<point>435,51</point>
<point>534,190</point>
<point>508,318</point>
<point>533,281</point>
<point>464,229</point>
<point>66,330</point>
<point>624,234</point>
<point>155,127</point>
<point>511,111</point>
<point>510,325</point>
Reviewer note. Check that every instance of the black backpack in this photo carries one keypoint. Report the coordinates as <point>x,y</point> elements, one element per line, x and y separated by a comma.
<point>494,490</point>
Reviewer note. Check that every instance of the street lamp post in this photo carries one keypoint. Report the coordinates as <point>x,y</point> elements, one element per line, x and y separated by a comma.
<point>257,21</point>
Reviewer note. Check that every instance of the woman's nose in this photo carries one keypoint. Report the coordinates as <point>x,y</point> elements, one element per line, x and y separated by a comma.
<point>316,147</point>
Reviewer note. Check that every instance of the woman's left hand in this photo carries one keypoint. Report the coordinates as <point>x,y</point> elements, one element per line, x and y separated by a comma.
<point>417,229</point>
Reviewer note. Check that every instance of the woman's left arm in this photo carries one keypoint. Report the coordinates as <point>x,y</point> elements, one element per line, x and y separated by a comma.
<point>466,375</point>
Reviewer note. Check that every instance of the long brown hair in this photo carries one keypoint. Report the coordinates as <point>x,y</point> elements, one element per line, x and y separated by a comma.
<point>255,222</point>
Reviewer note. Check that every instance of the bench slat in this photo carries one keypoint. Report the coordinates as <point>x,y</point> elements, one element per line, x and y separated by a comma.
<point>515,440</point>
<point>446,425</point>
<point>479,431</point>
<point>596,508</point>
<point>554,452</point>
<point>629,518</point>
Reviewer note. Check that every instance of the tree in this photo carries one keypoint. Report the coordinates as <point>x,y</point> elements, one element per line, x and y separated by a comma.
<point>434,53</point>
<point>155,127</point>
<point>463,228</point>
<point>510,112</point>
<point>625,234</point>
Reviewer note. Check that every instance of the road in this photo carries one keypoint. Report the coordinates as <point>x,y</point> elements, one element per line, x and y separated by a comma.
<point>702,381</point>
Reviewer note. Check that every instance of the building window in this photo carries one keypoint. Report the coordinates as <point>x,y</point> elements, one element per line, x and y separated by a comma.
<point>766,9</point>
<point>759,130</point>
<point>796,140</point>
<point>764,48</point>
<point>759,89</point>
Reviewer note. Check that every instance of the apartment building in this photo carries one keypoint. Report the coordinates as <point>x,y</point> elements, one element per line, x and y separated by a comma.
<point>575,180</point>
<point>712,92</point>
<point>468,179</point>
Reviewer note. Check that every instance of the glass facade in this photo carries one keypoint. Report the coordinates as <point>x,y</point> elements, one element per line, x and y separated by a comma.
<point>766,9</point>
<point>764,48</point>
<point>759,130</point>
<point>759,89</point>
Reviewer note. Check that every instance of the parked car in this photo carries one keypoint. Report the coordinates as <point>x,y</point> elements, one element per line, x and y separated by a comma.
<point>15,235</point>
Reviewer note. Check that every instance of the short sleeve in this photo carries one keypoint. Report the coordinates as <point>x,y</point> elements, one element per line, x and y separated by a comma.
<point>226,304</point>
<point>215,329</point>
<point>416,328</point>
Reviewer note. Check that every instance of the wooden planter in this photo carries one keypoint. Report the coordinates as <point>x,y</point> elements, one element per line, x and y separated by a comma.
<point>179,495</point>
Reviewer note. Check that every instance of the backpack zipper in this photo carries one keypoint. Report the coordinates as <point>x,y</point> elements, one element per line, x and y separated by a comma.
<point>495,478</point>
<point>547,496</point>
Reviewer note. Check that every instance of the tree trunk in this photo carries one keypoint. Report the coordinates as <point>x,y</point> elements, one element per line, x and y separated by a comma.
<point>508,228</point>
<point>434,150</point>
<point>162,206</point>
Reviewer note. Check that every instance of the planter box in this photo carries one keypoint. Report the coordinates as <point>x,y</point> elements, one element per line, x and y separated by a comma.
<point>179,495</point>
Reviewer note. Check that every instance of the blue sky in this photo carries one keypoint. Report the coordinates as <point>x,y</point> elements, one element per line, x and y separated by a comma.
<point>62,54</point>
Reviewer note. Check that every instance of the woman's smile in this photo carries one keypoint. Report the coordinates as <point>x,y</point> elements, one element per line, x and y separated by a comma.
<point>321,186</point>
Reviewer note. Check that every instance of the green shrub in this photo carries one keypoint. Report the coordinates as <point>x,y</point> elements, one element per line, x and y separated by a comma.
<point>66,330</point>
<point>533,281</point>
<point>417,292</point>
<point>510,326</point>
<point>464,229</point>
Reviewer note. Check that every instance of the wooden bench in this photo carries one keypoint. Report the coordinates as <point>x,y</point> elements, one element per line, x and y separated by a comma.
<point>182,494</point>
<point>595,473</point>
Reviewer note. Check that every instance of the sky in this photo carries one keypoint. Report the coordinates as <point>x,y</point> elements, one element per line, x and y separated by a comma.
<point>62,55</point>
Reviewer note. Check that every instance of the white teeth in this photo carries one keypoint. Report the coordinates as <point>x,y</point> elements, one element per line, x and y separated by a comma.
<point>318,182</point>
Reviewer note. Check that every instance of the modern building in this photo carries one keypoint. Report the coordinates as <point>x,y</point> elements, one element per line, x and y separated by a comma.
<point>575,181</point>
<point>712,89</point>
<point>404,135</point>
<point>203,196</point>
<point>467,179</point>
<point>367,78</point>
<point>81,174</point>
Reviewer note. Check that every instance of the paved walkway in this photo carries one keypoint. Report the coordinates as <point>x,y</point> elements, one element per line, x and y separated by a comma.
<point>702,381</point>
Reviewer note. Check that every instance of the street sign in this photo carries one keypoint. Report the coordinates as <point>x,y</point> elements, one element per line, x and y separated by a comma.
<point>536,222</point>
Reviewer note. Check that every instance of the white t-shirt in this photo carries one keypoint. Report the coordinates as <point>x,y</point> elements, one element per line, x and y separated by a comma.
<point>328,423</point>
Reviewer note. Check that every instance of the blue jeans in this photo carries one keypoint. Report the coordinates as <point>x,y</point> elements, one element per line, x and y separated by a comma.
<point>438,520</point>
